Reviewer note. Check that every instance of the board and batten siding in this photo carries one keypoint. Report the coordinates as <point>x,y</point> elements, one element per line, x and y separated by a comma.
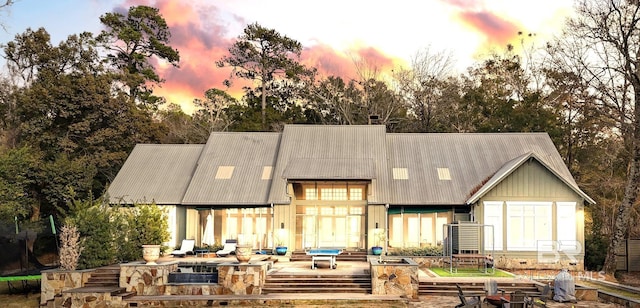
<point>532,182</point>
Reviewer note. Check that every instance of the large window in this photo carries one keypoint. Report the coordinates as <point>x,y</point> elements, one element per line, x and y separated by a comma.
<point>493,216</point>
<point>566,227</point>
<point>417,229</point>
<point>527,224</point>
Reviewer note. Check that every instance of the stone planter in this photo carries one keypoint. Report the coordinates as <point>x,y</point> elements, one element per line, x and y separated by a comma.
<point>243,253</point>
<point>151,253</point>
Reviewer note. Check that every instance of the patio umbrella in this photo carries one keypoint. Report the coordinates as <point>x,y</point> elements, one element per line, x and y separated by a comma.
<point>207,236</point>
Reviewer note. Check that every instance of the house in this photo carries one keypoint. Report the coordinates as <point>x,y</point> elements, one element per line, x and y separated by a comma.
<point>335,186</point>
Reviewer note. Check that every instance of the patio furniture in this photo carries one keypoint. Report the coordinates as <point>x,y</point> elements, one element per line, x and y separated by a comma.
<point>493,294</point>
<point>516,299</point>
<point>324,255</point>
<point>228,248</point>
<point>185,248</point>
<point>468,300</point>
<point>539,300</point>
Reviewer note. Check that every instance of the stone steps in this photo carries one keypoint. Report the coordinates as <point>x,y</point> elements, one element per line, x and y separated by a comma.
<point>104,276</point>
<point>317,284</point>
<point>448,288</point>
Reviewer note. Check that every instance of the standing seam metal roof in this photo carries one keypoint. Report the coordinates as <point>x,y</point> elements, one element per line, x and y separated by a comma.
<point>155,172</point>
<point>249,153</point>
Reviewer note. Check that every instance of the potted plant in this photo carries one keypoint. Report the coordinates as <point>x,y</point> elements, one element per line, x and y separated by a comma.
<point>280,249</point>
<point>380,237</point>
<point>244,248</point>
<point>151,223</point>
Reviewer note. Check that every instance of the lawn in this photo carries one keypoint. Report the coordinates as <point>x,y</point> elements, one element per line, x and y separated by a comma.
<point>469,272</point>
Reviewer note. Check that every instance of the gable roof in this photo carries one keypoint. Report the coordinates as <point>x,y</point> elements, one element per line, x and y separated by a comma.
<point>248,154</point>
<point>155,172</point>
<point>333,148</point>
<point>470,158</point>
<point>509,167</point>
<point>403,168</point>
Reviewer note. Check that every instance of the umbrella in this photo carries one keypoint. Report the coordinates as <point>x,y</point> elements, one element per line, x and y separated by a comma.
<point>207,236</point>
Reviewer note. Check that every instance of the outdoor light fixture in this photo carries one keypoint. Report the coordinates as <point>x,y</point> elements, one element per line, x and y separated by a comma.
<point>282,225</point>
<point>376,225</point>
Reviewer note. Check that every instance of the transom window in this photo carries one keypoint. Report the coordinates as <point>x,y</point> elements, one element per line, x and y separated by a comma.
<point>343,192</point>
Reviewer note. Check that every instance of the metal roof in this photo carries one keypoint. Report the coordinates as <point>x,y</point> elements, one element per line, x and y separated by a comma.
<point>330,169</point>
<point>431,169</point>
<point>333,145</point>
<point>471,159</point>
<point>248,154</point>
<point>514,164</point>
<point>155,172</point>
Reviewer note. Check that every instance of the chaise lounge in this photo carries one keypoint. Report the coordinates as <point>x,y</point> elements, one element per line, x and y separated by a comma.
<point>185,248</point>
<point>228,248</point>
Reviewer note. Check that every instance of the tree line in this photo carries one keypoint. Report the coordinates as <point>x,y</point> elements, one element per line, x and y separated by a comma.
<point>72,113</point>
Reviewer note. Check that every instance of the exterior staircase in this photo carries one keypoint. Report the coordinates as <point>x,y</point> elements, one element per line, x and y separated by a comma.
<point>329,283</point>
<point>300,255</point>
<point>442,287</point>
<point>104,277</point>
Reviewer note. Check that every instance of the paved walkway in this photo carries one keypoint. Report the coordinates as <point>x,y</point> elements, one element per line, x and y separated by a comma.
<point>283,266</point>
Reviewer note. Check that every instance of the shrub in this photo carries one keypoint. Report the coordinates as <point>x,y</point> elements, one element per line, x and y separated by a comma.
<point>417,251</point>
<point>70,247</point>
<point>94,220</point>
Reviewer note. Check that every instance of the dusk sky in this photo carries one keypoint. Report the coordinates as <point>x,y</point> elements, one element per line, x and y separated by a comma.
<point>332,32</point>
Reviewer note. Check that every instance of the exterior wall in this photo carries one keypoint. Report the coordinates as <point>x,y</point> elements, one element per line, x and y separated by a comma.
<point>533,182</point>
<point>376,214</point>
<point>284,225</point>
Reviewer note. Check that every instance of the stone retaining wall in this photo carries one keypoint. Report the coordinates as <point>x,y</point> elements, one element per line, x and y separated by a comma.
<point>242,278</point>
<point>146,279</point>
<point>56,281</point>
<point>394,278</point>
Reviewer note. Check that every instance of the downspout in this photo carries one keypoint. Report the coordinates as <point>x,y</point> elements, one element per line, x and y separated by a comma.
<point>386,229</point>
<point>273,230</point>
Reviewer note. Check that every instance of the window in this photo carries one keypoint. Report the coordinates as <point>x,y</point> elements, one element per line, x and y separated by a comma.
<point>444,174</point>
<point>493,216</point>
<point>333,194</point>
<point>528,223</point>
<point>224,172</point>
<point>400,174</point>
<point>566,226</point>
<point>311,194</point>
<point>266,172</point>
<point>355,194</point>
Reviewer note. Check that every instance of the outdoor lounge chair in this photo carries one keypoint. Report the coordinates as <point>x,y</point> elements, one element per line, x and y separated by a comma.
<point>185,248</point>
<point>228,248</point>
<point>468,300</point>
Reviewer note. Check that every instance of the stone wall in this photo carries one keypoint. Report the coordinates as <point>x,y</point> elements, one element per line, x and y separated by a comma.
<point>56,281</point>
<point>91,300</point>
<point>394,278</point>
<point>146,279</point>
<point>242,278</point>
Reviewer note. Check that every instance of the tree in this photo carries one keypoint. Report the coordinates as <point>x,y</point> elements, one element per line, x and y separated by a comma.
<point>210,115</point>
<point>133,40</point>
<point>69,111</point>
<point>263,55</point>
<point>601,44</point>
<point>5,4</point>
<point>423,87</point>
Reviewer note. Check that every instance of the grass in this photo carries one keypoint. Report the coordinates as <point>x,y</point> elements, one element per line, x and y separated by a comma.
<point>469,272</point>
